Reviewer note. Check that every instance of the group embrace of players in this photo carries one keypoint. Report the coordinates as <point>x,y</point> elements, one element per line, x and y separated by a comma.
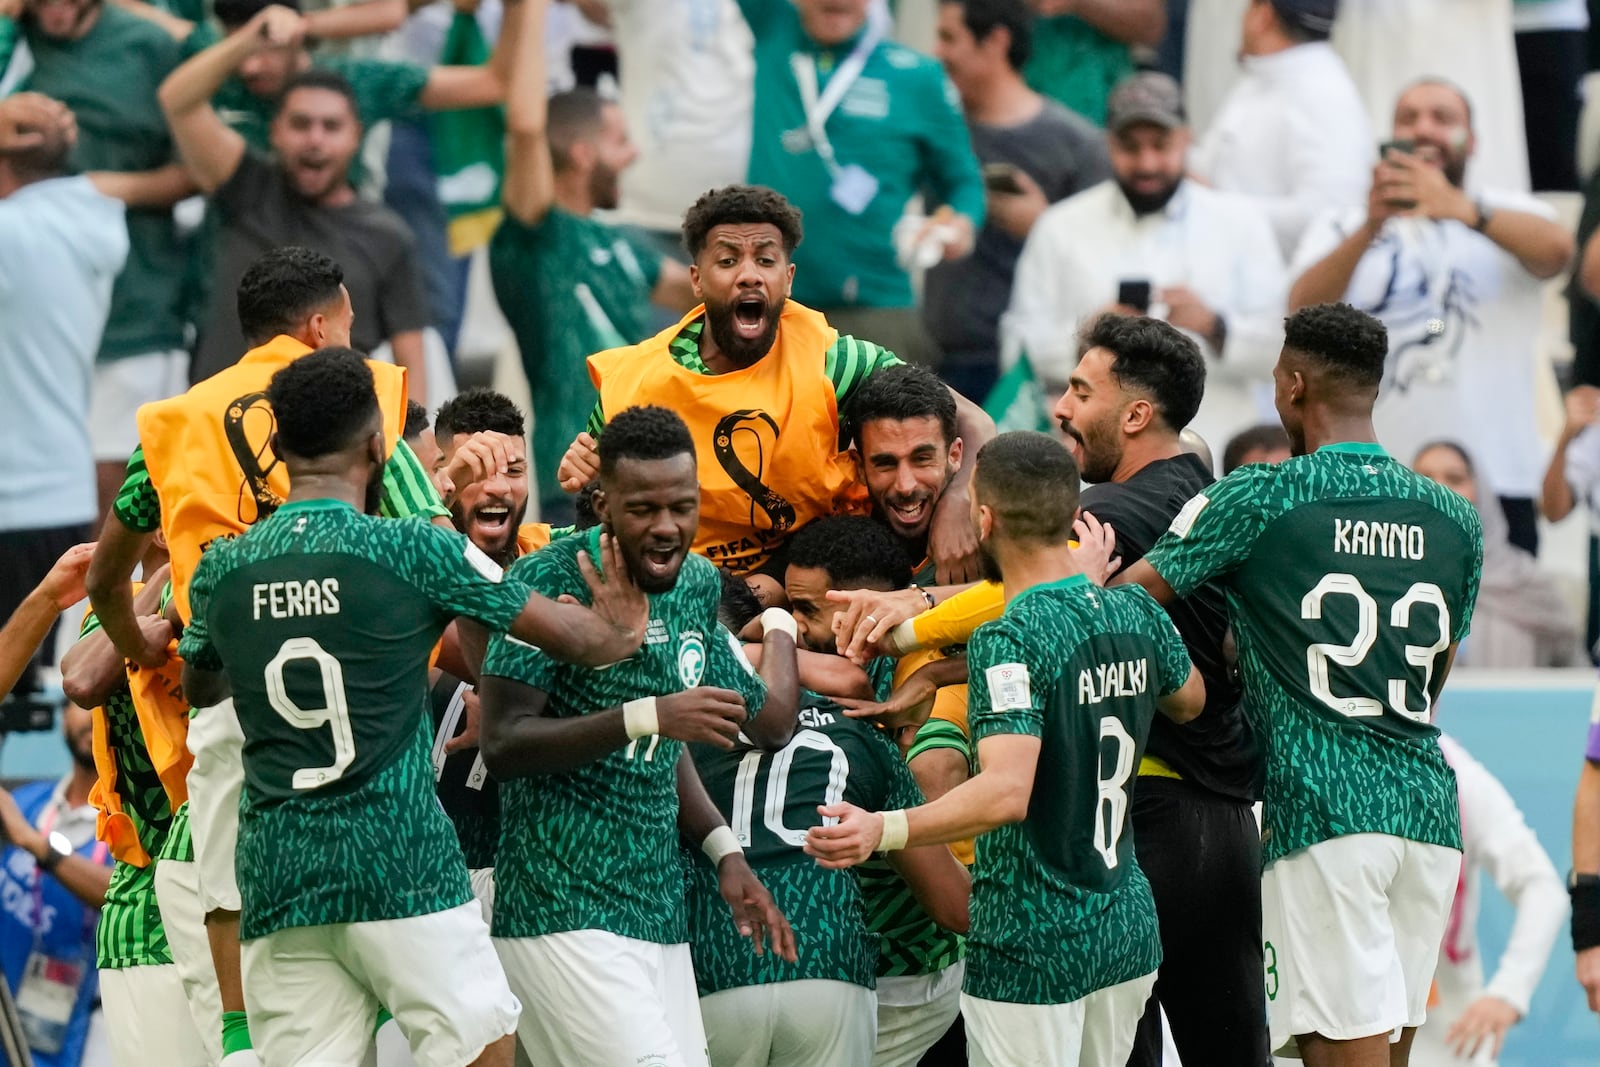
<point>577,796</point>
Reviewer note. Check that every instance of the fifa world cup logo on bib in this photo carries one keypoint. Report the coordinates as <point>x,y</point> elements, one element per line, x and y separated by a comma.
<point>248,424</point>
<point>744,427</point>
<point>691,659</point>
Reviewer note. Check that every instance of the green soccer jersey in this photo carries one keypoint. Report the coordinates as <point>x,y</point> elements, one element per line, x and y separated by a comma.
<point>770,800</point>
<point>130,933</point>
<point>324,619</point>
<point>1060,907</point>
<point>596,848</point>
<point>1348,577</point>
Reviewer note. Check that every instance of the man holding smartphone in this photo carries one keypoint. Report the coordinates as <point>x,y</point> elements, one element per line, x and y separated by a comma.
<point>1458,279</point>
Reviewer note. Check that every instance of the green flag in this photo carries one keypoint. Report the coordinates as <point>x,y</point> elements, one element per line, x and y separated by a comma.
<point>1017,401</point>
<point>468,148</point>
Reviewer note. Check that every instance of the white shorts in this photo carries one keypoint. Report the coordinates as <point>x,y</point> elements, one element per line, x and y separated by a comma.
<point>600,999</point>
<point>216,778</point>
<point>178,896</point>
<point>483,891</point>
<point>147,1018</point>
<point>1352,928</point>
<point>914,1012</point>
<point>121,386</point>
<point>313,991</point>
<point>1094,1031</point>
<point>791,1024</point>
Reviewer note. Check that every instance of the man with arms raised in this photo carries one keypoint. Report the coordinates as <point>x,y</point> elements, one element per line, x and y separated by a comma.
<point>746,364</point>
<point>1130,396</point>
<point>315,618</point>
<point>595,787</point>
<point>1064,946</point>
<point>1350,580</point>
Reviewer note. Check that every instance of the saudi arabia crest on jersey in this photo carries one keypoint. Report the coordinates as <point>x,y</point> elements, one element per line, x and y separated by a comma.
<point>691,658</point>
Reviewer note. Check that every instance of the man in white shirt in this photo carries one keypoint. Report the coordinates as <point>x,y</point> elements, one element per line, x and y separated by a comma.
<point>1204,261</point>
<point>63,241</point>
<point>688,90</point>
<point>1468,1023</point>
<point>1292,134</point>
<point>1458,282</point>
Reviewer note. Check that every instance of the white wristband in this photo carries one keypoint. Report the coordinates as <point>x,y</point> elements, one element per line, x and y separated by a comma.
<point>780,620</point>
<point>720,844</point>
<point>895,830</point>
<point>901,639</point>
<point>639,718</point>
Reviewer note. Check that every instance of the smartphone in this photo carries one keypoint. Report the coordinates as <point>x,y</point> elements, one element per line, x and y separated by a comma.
<point>1402,147</point>
<point>1001,178</point>
<point>1135,294</point>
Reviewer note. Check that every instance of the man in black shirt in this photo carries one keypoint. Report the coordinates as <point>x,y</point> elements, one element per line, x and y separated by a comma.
<point>1136,387</point>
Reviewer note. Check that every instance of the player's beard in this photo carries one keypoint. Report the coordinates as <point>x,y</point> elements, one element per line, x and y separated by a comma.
<point>1096,463</point>
<point>988,565</point>
<point>740,351</point>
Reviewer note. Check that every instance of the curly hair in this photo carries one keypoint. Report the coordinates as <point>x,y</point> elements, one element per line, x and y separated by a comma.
<point>647,432</point>
<point>1345,342</point>
<point>282,288</point>
<point>853,551</point>
<point>477,410</point>
<point>741,204</point>
<point>322,402</point>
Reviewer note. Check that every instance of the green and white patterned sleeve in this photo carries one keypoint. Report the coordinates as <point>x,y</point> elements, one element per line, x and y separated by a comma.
<point>543,572</point>
<point>407,490</point>
<point>1172,657</point>
<point>850,362</point>
<point>458,577</point>
<point>195,647</point>
<point>727,666</point>
<point>1000,697</point>
<point>1214,533</point>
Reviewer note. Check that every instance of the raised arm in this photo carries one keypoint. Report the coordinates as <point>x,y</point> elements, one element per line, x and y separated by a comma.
<point>1136,22</point>
<point>608,632</point>
<point>779,670</point>
<point>210,149</point>
<point>157,188</point>
<point>31,622</point>
<point>530,183</point>
<point>451,88</point>
<point>92,669</point>
<point>111,593</point>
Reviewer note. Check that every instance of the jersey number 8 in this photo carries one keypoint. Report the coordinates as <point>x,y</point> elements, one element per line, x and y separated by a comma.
<point>1352,655</point>
<point>334,713</point>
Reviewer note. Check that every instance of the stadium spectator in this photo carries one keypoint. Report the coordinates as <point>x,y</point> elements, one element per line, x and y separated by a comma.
<point>1573,478</point>
<point>1083,48</point>
<point>1521,620</point>
<point>1266,443</point>
<point>687,91</point>
<point>1551,61</point>
<point>849,126</point>
<point>62,245</point>
<point>302,197</point>
<point>1389,44</point>
<point>1034,152</point>
<point>569,284</point>
<point>1135,389</point>
<point>1458,282</point>
<point>106,65</point>
<point>1468,1024</point>
<point>1151,241</point>
<point>1292,134</point>
<point>50,859</point>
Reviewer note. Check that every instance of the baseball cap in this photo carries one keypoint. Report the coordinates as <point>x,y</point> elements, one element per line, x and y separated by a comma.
<point>1146,97</point>
<point>1313,16</point>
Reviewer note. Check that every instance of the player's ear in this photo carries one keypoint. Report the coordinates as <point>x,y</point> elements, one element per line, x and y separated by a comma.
<point>602,508</point>
<point>1137,416</point>
<point>958,448</point>
<point>377,450</point>
<point>272,443</point>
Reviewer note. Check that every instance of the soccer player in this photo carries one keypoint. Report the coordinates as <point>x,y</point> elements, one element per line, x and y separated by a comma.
<point>595,784</point>
<point>204,472</point>
<point>762,1011</point>
<point>320,620</point>
<point>1350,580</point>
<point>1064,945</point>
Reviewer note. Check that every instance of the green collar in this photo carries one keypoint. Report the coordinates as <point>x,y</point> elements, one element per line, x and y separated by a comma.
<point>1356,448</point>
<point>1071,581</point>
<point>321,503</point>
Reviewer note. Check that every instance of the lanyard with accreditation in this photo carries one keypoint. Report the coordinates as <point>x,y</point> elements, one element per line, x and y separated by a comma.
<point>853,187</point>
